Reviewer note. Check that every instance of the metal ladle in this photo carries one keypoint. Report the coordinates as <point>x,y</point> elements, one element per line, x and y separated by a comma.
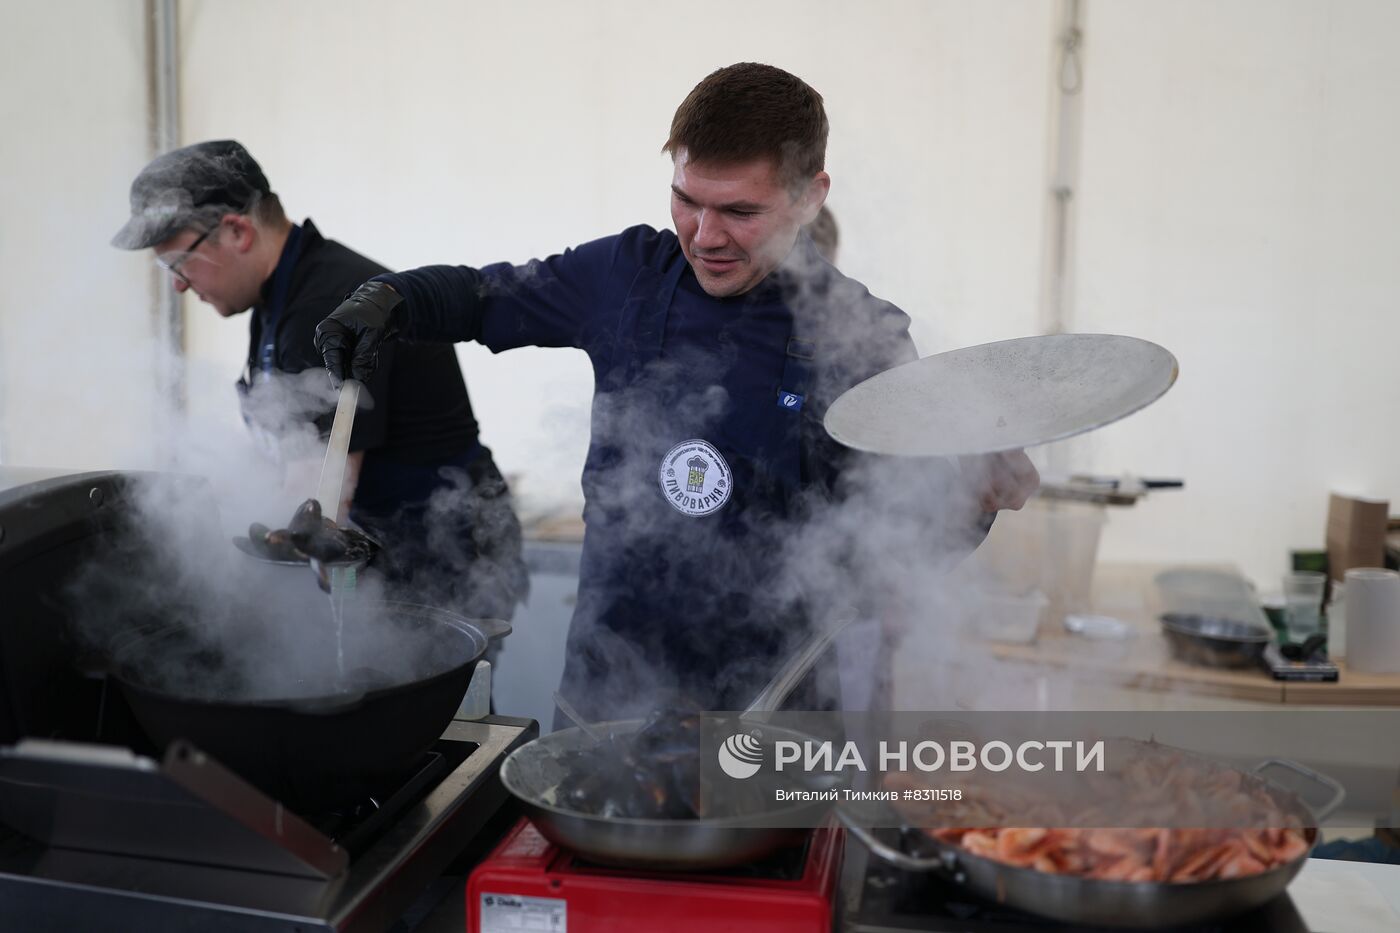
<point>331,575</point>
<point>575,717</point>
<point>337,577</point>
<point>338,450</point>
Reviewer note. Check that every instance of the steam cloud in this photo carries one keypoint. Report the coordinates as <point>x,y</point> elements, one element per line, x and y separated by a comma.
<point>884,547</point>
<point>168,563</point>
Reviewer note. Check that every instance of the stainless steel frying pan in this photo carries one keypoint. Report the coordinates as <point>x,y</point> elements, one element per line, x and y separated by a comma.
<point>534,771</point>
<point>1122,904</point>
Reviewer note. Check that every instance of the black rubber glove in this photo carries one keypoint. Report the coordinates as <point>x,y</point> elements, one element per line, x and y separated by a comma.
<point>349,339</point>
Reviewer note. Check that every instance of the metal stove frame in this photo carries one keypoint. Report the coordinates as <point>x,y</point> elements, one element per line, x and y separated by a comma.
<point>61,889</point>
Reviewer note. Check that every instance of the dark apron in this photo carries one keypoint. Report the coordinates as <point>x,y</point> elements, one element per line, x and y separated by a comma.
<point>262,352</point>
<point>450,533</point>
<point>466,555</point>
<point>671,601</point>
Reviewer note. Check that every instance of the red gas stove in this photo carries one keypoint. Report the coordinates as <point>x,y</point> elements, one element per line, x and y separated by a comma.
<point>528,883</point>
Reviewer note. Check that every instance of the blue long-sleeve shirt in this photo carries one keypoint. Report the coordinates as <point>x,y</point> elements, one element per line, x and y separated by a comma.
<point>662,590</point>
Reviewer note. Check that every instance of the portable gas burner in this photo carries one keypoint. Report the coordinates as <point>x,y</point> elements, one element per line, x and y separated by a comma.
<point>528,883</point>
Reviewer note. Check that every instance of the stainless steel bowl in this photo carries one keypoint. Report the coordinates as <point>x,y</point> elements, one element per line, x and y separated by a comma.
<point>1215,641</point>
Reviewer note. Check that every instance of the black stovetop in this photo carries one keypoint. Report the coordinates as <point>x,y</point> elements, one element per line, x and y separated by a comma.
<point>355,828</point>
<point>888,900</point>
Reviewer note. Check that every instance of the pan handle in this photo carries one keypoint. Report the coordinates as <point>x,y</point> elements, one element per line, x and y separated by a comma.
<point>796,667</point>
<point>944,863</point>
<point>1339,793</point>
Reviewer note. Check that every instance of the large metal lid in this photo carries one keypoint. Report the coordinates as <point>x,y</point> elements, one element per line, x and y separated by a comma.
<point>1002,396</point>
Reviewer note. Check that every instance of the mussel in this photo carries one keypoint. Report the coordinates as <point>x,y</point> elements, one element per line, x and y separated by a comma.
<point>307,519</point>
<point>652,773</point>
<point>311,536</point>
<point>274,544</point>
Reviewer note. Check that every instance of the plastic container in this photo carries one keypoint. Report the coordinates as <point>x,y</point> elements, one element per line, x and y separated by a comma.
<point>1336,623</point>
<point>1049,548</point>
<point>1373,620</point>
<point>1302,597</point>
<point>1007,618</point>
<point>1220,594</point>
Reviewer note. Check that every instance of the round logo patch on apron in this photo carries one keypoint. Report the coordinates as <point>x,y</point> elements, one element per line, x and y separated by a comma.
<point>695,479</point>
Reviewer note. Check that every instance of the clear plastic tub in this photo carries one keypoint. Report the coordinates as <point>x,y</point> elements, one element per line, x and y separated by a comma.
<point>1002,617</point>
<point>1049,548</point>
<point>1220,594</point>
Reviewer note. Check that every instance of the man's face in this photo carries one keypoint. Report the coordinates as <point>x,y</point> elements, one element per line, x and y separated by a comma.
<point>212,266</point>
<point>737,222</point>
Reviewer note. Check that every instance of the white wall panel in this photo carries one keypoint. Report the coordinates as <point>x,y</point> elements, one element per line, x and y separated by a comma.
<point>1238,205</point>
<point>425,132</point>
<point>1236,202</point>
<point>76,360</point>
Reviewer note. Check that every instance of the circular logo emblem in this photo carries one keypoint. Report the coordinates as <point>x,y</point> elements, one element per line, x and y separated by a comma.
<point>694,478</point>
<point>740,756</point>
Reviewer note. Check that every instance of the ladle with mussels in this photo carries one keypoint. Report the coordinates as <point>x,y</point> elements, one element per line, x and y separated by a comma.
<point>312,536</point>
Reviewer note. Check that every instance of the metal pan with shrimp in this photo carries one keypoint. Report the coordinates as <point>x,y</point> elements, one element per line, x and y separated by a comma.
<point>1082,865</point>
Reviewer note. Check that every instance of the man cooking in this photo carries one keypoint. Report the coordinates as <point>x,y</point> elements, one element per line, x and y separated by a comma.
<point>418,477</point>
<point>716,351</point>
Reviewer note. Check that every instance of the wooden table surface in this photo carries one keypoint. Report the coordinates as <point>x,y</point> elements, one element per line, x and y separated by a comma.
<point>1126,591</point>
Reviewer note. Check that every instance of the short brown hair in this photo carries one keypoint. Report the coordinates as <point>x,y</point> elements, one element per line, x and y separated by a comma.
<point>267,210</point>
<point>751,111</point>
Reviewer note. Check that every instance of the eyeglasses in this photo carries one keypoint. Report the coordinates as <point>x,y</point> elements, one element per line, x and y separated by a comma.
<point>173,261</point>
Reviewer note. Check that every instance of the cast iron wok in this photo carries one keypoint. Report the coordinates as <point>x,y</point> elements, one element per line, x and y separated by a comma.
<point>325,741</point>
<point>1098,902</point>
<point>533,772</point>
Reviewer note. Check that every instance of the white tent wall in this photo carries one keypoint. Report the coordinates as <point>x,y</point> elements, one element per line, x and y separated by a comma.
<point>76,346</point>
<point>478,132</point>
<point>1238,203</point>
<point>1235,203</point>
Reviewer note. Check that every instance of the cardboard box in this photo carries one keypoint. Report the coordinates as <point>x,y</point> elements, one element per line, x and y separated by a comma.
<point>1356,529</point>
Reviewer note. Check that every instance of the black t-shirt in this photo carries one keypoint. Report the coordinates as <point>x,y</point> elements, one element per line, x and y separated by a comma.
<point>421,412</point>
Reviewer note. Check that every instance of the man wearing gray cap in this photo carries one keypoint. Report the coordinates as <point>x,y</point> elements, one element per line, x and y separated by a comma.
<point>418,477</point>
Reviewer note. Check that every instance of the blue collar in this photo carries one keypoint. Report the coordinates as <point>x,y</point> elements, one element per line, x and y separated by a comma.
<point>276,291</point>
